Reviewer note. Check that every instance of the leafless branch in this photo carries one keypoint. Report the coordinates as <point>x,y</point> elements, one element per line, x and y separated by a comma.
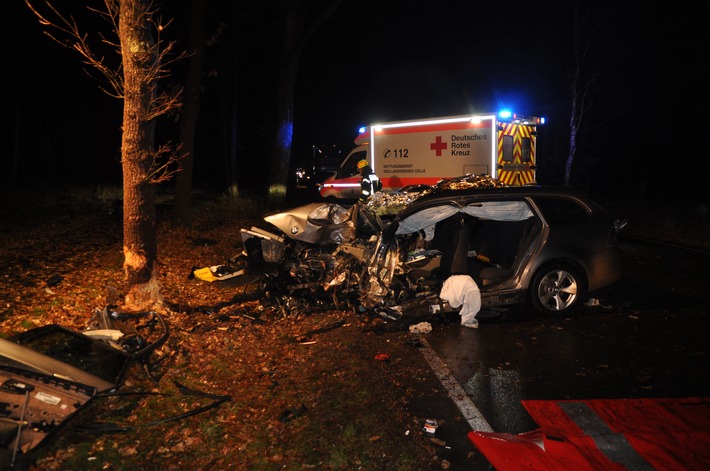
<point>166,162</point>
<point>65,31</point>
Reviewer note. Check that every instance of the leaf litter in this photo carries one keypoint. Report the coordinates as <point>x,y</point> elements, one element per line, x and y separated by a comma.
<point>306,391</point>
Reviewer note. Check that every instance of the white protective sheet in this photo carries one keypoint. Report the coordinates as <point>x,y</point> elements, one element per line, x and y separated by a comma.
<point>493,210</point>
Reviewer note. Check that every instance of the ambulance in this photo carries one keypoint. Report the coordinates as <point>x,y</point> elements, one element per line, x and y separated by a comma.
<point>425,151</point>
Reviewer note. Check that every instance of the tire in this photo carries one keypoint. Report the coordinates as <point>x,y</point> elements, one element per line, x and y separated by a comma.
<point>556,288</point>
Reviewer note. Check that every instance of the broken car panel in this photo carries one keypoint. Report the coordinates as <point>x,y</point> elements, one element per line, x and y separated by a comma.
<point>316,223</point>
<point>48,374</point>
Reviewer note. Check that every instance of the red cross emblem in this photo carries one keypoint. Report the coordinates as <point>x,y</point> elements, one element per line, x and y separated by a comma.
<point>438,146</point>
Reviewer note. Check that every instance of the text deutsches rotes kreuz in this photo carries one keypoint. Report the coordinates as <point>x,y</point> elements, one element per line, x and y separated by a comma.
<point>461,145</point>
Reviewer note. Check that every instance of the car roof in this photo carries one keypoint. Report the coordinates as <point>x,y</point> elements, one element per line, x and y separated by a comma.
<point>464,195</point>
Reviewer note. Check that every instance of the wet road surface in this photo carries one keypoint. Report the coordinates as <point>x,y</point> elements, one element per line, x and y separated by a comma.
<point>646,339</point>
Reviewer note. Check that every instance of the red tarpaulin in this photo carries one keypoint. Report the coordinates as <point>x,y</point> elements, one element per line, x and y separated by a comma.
<point>633,434</point>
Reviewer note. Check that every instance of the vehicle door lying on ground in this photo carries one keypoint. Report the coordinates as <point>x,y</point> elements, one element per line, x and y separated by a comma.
<point>50,373</point>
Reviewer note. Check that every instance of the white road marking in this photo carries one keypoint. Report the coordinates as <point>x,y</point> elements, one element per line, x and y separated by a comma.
<point>472,415</point>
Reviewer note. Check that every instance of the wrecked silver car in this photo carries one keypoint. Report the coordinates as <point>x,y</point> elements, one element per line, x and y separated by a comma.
<point>545,247</point>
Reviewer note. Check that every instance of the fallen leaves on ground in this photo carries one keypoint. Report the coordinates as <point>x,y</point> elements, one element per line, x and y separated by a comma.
<point>324,372</point>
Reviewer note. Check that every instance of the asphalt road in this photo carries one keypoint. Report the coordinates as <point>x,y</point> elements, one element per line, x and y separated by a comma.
<point>646,339</point>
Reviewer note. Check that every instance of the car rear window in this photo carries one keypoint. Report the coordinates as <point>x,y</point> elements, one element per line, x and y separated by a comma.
<point>560,210</point>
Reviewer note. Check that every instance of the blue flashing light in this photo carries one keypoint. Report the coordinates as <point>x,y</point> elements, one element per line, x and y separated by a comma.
<point>362,129</point>
<point>286,134</point>
<point>505,114</point>
<point>542,120</point>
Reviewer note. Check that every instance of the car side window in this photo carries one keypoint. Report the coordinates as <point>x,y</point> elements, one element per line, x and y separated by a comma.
<point>561,210</point>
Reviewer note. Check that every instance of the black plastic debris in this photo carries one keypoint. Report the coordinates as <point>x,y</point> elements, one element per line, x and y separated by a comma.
<point>290,414</point>
<point>54,280</point>
<point>203,242</point>
<point>217,399</point>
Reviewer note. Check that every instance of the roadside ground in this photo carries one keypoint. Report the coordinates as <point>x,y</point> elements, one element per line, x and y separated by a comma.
<point>327,390</point>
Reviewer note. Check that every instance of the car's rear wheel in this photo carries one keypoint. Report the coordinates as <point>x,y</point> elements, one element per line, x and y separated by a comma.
<point>556,288</point>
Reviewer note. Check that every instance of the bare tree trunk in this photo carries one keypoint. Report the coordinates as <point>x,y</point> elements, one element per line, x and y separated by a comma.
<point>575,109</point>
<point>135,81</point>
<point>280,158</point>
<point>230,126</point>
<point>298,30</point>
<point>231,150</point>
<point>190,111</point>
<point>588,76</point>
<point>12,179</point>
<point>574,120</point>
<point>280,161</point>
<point>140,247</point>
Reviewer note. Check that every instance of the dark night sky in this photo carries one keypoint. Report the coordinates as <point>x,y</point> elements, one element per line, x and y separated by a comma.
<point>379,61</point>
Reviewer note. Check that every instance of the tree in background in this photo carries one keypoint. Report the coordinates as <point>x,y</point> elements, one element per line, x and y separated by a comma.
<point>580,91</point>
<point>300,23</point>
<point>593,71</point>
<point>134,79</point>
<point>190,111</point>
